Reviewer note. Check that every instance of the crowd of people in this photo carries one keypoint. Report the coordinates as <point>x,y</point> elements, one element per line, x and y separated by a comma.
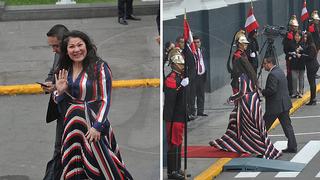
<point>301,49</point>
<point>247,131</point>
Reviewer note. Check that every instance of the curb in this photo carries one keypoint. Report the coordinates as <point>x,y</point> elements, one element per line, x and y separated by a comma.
<point>216,168</point>
<point>36,88</point>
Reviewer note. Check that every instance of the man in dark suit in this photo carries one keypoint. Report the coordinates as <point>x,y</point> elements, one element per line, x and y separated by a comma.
<point>125,11</point>
<point>201,76</point>
<point>191,72</point>
<point>54,166</point>
<point>278,103</point>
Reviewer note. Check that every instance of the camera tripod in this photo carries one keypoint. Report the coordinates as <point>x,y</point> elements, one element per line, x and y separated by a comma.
<point>270,52</point>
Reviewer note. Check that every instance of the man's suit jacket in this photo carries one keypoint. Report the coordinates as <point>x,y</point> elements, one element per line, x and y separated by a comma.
<point>52,111</point>
<point>205,59</point>
<point>276,92</point>
<point>190,63</point>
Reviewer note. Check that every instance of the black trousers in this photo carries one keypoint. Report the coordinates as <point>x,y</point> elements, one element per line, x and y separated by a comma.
<point>124,8</point>
<point>200,97</point>
<point>311,75</point>
<point>54,166</point>
<point>289,77</point>
<point>173,159</point>
<point>285,122</point>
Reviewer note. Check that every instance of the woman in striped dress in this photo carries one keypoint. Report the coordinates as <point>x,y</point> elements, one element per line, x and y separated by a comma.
<point>89,149</point>
<point>246,132</point>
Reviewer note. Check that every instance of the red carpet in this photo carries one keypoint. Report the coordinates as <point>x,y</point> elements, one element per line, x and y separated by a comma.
<point>210,152</point>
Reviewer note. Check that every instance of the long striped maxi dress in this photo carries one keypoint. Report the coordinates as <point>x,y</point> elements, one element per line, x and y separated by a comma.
<point>87,105</point>
<point>246,132</point>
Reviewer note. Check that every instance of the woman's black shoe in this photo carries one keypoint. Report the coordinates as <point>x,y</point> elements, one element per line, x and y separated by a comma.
<point>312,103</point>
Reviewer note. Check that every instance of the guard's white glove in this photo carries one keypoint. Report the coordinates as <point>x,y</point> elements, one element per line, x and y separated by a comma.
<point>253,55</point>
<point>185,82</point>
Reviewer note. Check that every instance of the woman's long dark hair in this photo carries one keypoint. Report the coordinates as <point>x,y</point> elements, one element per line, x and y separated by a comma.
<point>310,41</point>
<point>89,61</point>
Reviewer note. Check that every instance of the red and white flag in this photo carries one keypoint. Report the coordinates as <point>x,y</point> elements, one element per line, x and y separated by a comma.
<point>187,35</point>
<point>304,12</point>
<point>251,22</point>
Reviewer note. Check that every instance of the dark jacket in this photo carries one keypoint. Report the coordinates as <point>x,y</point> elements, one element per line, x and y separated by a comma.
<point>52,111</point>
<point>276,92</point>
<point>311,58</point>
<point>295,62</point>
<point>174,103</point>
<point>314,30</point>
<point>286,43</point>
<point>205,60</point>
<point>190,63</point>
<point>241,65</point>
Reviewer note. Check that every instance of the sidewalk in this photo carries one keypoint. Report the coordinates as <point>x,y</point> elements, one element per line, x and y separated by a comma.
<point>131,51</point>
<point>72,11</point>
<point>204,129</point>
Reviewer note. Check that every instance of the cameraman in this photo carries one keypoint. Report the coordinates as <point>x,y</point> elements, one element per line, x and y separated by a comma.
<point>287,47</point>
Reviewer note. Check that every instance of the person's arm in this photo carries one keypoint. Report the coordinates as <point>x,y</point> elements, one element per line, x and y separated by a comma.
<point>50,75</point>
<point>271,86</point>
<point>240,93</point>
<point>104,96</point>
<point>311,53</point>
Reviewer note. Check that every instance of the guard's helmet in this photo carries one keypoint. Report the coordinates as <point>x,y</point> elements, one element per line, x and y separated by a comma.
<point>175,56</point>
<point>241,37</point>
<point>314,15</point>
<point>293,21</point>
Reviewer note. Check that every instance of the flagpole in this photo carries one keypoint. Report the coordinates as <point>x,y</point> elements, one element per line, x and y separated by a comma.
<point>186,113</point>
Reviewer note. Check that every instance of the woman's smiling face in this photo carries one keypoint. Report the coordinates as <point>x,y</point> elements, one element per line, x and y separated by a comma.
<point>77,49</point>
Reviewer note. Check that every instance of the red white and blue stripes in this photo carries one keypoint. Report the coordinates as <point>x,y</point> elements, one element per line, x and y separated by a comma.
<point>89,108</point>
<point>246,132</point>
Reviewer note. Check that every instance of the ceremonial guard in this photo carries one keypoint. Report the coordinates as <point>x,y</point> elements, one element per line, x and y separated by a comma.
<point>314,28</point>
<point>286,42</point>
<point>240,62</point>
<point>174,112</point>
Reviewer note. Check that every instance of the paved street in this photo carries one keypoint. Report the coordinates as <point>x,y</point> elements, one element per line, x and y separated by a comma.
<point>27,141</point>
<point>204,129</point>
<point>306,123</point>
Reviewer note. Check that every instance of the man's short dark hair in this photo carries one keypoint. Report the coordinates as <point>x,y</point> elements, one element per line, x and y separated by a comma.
<point>178,38</point>
<point>271,60</point>
<point>196,37</point>
<point>57,31</point>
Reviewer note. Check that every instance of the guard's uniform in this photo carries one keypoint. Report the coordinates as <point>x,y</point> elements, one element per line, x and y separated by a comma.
<point>174,113</point>
<point>241,64</point>
<point>287,42</point>
<point>314,28</point>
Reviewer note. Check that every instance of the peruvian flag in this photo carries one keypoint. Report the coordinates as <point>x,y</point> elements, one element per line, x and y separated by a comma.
<point>251,22</point>
<point>304,13</point>
<point>187,35</point>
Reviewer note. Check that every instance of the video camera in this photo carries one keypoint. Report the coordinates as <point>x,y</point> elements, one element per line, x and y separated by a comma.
<point>274,31</point>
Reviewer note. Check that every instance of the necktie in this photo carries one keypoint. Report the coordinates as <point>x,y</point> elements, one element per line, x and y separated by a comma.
<point>199,65</point>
